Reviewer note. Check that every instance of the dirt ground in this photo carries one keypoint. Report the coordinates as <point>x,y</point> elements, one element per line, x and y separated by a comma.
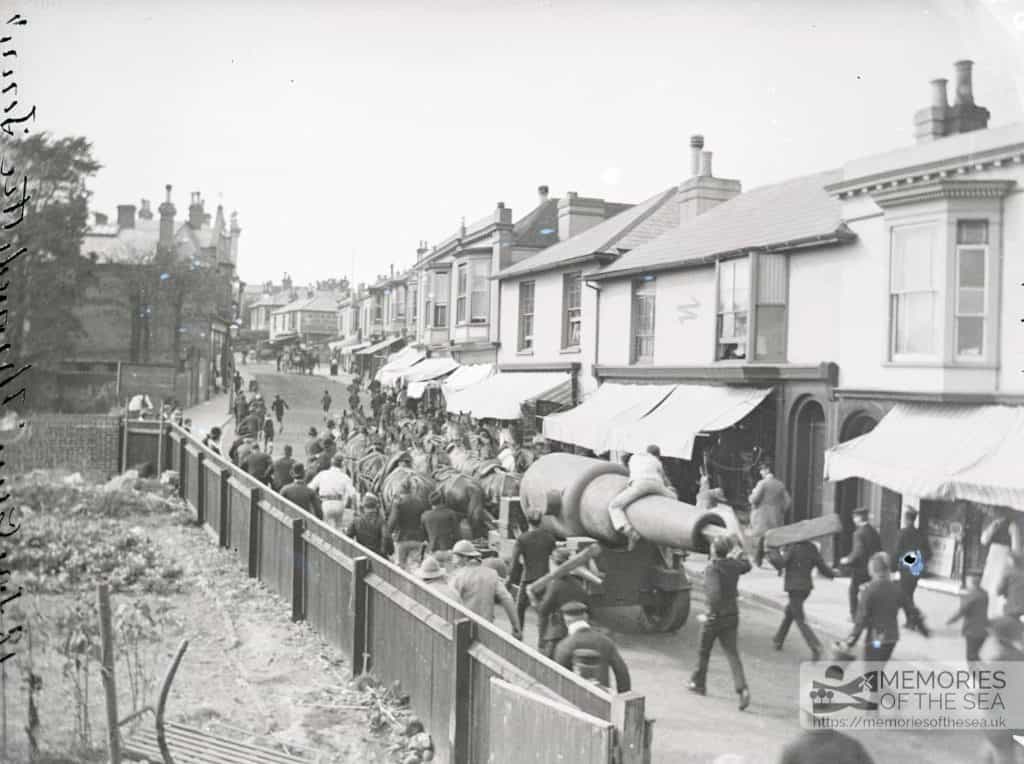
<point>249,674</point>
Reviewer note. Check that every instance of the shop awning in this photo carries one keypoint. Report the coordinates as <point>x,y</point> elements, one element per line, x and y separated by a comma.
<point>349,349</point>
<point>588,424</point>
<point>936,451</point>
<point>466,376</point>
<point>687,411</point>
<point>428,370</point>
<point>997,479</point>
<point>378,346</point>
<point>502,395</point>
<point>401,363</point>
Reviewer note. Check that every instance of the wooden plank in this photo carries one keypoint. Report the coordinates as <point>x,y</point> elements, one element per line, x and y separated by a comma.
<point>462,708</point>
<point>254,533</point>
<point>298,569</point>
<point>805,530</point>
<point>629,718</point>
<point>358,614</point>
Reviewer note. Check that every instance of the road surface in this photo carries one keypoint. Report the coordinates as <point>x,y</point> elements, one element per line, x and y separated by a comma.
<point>688,728</point>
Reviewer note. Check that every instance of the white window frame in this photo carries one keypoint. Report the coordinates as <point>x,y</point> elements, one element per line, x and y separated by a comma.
<point>526,318</point>
<point>985,289</point>
<point>572,316</point>
<point>936,279</point>
<point>440,298</point>
<point>462,276</point>
<point>646,286</point>
<point>730,266</point>
<point>479,291</point>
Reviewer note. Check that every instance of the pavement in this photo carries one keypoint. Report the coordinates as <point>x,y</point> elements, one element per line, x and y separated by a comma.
<point>827,611</point>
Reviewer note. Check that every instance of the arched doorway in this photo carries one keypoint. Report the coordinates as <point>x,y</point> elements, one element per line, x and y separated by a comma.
<point>809,441</point>
<point>852,492</point>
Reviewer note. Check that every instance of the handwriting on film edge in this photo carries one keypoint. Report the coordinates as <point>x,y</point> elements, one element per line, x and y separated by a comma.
<point>19,191</point>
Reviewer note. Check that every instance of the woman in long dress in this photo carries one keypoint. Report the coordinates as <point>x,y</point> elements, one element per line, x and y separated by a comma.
<point>1002,535</point>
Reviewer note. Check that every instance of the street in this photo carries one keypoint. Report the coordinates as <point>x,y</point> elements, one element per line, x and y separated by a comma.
<point>688,728</point>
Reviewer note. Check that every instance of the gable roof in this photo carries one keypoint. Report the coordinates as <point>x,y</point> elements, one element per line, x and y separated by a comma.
<point>627,229</point>
<point>323,301</point>
<point>539,227</point>
<point>125,245</point>
<point>784,215</point>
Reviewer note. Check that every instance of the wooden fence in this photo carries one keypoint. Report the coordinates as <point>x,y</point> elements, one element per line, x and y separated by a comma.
<point>455,666</point>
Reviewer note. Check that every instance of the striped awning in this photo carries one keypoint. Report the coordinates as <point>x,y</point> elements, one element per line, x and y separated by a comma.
<point>349,349</point>
<point>686,412</point>
<point>378,346</point>
<point>502,395</point>
<point>612,405</point>
<point>939,451</point>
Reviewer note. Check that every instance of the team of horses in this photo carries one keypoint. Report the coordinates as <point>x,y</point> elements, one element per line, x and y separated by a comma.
<point>471,485</point>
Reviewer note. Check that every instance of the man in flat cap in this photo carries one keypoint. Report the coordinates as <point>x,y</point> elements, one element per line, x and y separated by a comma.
<point>301,495</point>
<point>866,542</point>
<point>584,639</point>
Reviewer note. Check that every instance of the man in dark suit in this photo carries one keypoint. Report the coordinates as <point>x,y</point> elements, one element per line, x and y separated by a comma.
<point>909,541</point>
<point>866,542</point>
<point>440,524</point>
<point>530,556</point>
<point>281,473</point>
<point>798,561</point>
<point>721,578</point>
<point>551,626</point>
<point>583,638</point>
<point>878,610</point>
<point>300,494</point>
<point>368,527</point>
<point>258,463</point>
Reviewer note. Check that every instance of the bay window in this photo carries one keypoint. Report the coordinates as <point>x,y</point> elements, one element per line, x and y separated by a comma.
<point>642,335</point>
<point>750,308</point>
<point>733,309</point>
<point>572,288</point>
<point>480,292</point>
<point>437,304</point>
<point>461,292</point>
<point>914,291</point>
<point>971,304</point>
<point>526,292</point>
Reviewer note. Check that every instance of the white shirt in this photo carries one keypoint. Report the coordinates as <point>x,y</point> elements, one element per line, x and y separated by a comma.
<point>644,466</point>
<point>577,626</point>
<point>333,482</point>
<point>139,402</point>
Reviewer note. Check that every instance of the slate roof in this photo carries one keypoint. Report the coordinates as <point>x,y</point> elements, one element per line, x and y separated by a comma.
<point>539,228</point>
<point>127,245</point>
<point>324,301</point>
<point>796,210</point>
<point>629,228</point>
<point>271,300</point>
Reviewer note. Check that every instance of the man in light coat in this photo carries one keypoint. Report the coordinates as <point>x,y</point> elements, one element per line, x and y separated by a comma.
<point>337,493</point>
<point>646,477</point>
<point>769,503</point>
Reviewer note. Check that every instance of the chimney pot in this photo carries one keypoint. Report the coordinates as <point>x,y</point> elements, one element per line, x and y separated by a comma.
<point>126,216</point>
<point>705,164</point>
<point>542,193</point>
<point>696,144</point>
<point>167,188</point>
<point>964,88</point>
<point>939,100</point>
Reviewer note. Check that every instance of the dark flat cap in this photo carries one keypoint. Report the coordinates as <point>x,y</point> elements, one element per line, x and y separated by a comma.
<point>574,608</point>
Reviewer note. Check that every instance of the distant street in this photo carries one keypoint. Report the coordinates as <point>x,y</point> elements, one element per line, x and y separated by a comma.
<point>688,728</point>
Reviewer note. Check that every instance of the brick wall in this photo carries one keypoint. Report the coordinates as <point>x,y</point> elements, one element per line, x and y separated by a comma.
<point>86,443</point>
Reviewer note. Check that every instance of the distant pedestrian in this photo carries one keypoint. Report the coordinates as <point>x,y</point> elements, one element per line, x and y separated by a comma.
<point>258,463</point>
<point>770,504</point>
<point>405,524</point>
<point>910,541</point>
<point>974,612</point>
<point>1002,535</point>
<point>878,610</point>
<point>1012,586</point>
<point>300,494</point>
<point>278,359</point>
<point>479,588</point>
<point>721,622</point>
<point>241,407</point>
<point>279,406</point>
<point>798,562</point>
<point>590,652</point>
<point>325,401</point>
<point>268,432</point>
<point>337,493</point>
<point>432,574</point>
<point>281,474</point>
<point>248,443</point>
<point>368,527</point>
<point>440,524</point>
<point>530,555</point>
<point>551,627</point>
<point>212,440</point>
<point>866,542</point>
<point>313,444</point>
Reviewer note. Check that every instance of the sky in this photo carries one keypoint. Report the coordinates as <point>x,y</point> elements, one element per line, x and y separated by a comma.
<point>344,133</point>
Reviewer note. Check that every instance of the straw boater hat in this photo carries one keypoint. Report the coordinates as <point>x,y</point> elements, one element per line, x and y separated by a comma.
<point>465,548</point>
<point>429,570</point>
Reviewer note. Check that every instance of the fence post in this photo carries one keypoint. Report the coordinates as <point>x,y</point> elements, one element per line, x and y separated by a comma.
<point>160,445</point>
<point>182,466</point>
<point>628,716</point>
<point>109,685</point>
<point>462,639</point>
<point>357,614</point>
<point>254,532</point>
<point>298,569</point>
<point>225,515</point>
<point>200,489</point>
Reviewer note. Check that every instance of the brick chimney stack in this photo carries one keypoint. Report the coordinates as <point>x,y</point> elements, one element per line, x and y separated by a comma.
<point>421,250</point>
<point>100,218</point>
<point>577,213</point>
<point>940,119</point>
<point>145,213</point>
<point>195,212</point>
<point>702,191</point>
<point>167,212</point>
<point>125,216</point>
<point>542,194</point>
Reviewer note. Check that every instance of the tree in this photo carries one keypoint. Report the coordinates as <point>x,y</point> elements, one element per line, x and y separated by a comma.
<point>45,281</point>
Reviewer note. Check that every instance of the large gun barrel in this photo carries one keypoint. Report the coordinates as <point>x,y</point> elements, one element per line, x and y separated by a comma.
<point>573,492</point>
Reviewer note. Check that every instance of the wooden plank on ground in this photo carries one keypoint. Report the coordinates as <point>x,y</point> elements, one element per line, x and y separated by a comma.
<point>805,530</point>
